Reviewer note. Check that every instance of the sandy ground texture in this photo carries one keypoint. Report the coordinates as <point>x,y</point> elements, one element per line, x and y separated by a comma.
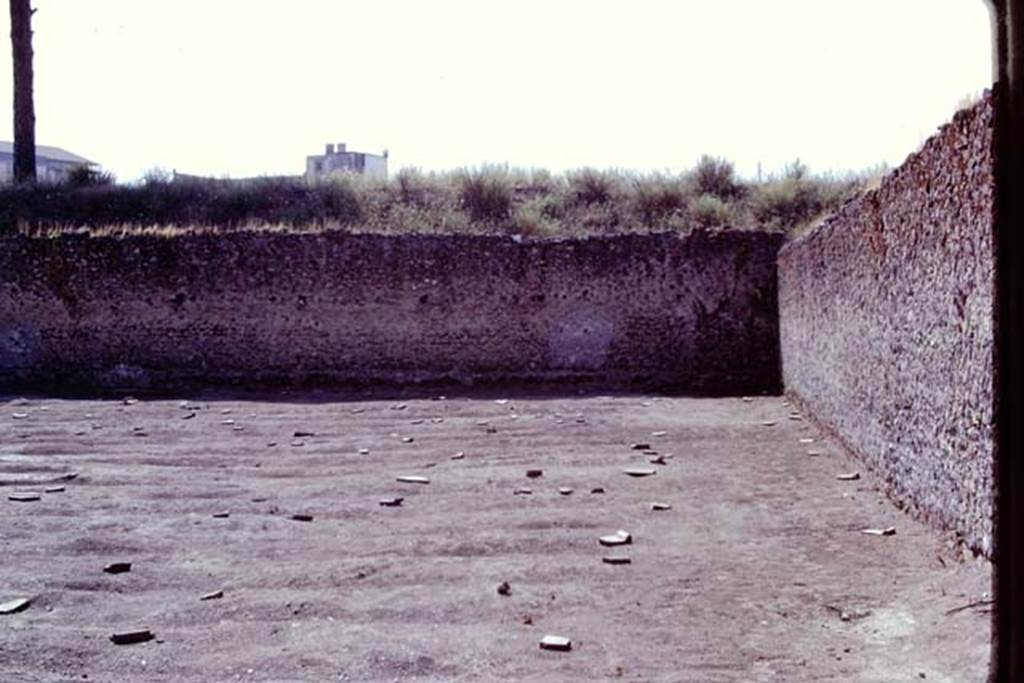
<point>758,572</point>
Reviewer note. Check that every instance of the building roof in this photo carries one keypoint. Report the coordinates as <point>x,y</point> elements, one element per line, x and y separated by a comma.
<point>46,152</point>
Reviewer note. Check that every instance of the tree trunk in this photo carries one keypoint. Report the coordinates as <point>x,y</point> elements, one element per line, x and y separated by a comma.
<point>24,109</point>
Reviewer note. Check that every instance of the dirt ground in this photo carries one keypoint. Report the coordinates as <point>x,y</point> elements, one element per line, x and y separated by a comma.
<point>759,571</point>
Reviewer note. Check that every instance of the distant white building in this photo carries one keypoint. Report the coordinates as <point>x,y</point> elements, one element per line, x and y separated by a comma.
<point>339,160</point>
<point>53,164</point>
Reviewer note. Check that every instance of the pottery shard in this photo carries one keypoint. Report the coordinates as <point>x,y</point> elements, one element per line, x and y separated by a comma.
<point>533,474</point>
<point>657,507</point>
<point>640,472</point>
<point>597,489</point>
<point>407,479</point>
<point>641,447</point>
<point>224,514</point>
<point>523,492</point>
<point>215,595</point>
<point>459,456</point>
<point>565,490</point>
<point>848,476</point>
<point>887,531</point>
<point>118,567</point>
<point>620,537</point>
<point>616,559</point>
<point>391,502</point>
<point>659,433</point>
<point>16,605</point>
<point>557,643</point>
<point>301,517</point>
<point>23,496</point>
<point>364,451</point>
<point>130,637</point>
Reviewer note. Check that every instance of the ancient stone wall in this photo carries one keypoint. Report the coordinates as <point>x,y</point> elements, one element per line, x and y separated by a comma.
<point>695,313</point>
<point>886,326</point>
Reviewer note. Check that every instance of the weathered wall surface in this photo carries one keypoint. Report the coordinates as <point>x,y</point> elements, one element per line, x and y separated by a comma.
<point>695,313</point>
<point>886,326</point>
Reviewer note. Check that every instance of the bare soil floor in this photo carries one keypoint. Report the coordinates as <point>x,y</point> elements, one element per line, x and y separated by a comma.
<point>759,571</point>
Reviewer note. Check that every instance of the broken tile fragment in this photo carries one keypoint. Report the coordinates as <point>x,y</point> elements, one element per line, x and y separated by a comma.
<point>522,491</point>
<point>807,439</point>
<point>640,472</point>
<point>459,456</point>
<point>408,479</point>
<point>118,568</point>
<point>557,643</point>
<point>407,439</point>
<point>302,517</point>
<point>768,423</point>
<point>300,434</point>
<point>887,531</point>
<point>658,507</point>
<point>848,476</point>
<point>391,502</point>
<point>364,451</point>
<point>641,447</point>
<point>620,537</point>
<point>131,637</point>
<point>565,490</point>
<point>616,559</point>
<point>221,515</point>
<point>659,433</point>
<point>53,489</point>
<point>23,496</point>
<point>534,473</point>
<point>597,489</point>
<point>658,460</point>
<point>814,453</point>
<point>215,595</point>
<point>19,416</point>
<point>13,606</point>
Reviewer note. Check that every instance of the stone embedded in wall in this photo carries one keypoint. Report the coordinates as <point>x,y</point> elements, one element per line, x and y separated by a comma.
<point>692,312</point>
<point>886,326</point>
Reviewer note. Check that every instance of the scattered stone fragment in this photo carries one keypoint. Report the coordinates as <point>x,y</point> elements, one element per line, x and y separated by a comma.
<point>616,559</point>
<point>188,416</point>
<point>302,517</point>
<point>848,476</point>
<point>407,479</point>
<point>271,444</point>
<point>215,595</point>
<point>237,428</point>
<point>522,491</point>
<point>527,620</point>
<point>19,416</point>
<point>639,472</point>
<point>364,451</point>
<point>129,401</point>
<point>504,588</point>
<point>131,637</point>
<point>297,444</point>
<point>228,421</point>
<point>118,567</point>
<point>597,489</point>
<point>533,474</point>
<point>660,433</point>
<point>748,399</point>
<point>501,401</point>
<point>492,430</point>
<point>300,434</point>
<point>13,606</point>
<point>557,643</point>
<point>391,502</point>
<point>428,465</point>
<point>407,439</point>
<point>796,416</point>
<point>807,439</point>
<point>768,423</point>
<point>813,453</point>
<point>356,411</point>
<point>53,489</point>
<point>887,531</point>
<point>437,420</point>
<point>620,537</point>
<point>260,499</point>
<point>459,456</point>
<point>221,515</point>
<point>645,404</point>
<point>658,507</point>
<point>641,447</point>
<point>225,411</point>
<point>658,460</point>
<point>23,496</point>
<point>399,406</point>
<point>482,423</point>
<point>565,490</point>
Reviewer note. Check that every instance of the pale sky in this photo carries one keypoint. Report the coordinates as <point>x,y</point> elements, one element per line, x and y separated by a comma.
<point>250,87</point>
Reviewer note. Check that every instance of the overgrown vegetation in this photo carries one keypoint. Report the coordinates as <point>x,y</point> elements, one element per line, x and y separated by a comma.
<point>489,199</point>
